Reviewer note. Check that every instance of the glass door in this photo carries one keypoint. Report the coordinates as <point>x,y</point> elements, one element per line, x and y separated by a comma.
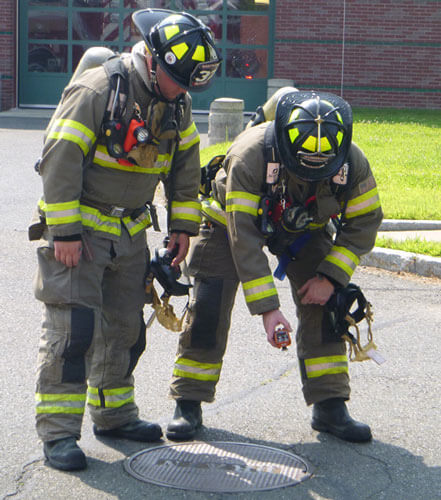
<point>55,33</point>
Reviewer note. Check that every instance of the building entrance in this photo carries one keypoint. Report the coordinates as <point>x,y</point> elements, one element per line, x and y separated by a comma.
<point>55,33</point>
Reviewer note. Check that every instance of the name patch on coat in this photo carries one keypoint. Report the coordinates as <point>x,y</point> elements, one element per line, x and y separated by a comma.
<point>272,172</point>
<point>341,177</point>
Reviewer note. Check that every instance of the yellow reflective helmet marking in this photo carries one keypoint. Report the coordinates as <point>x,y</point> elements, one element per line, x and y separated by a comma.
<point>294,115</point>
<point>339,137</point>
<point>311,144</point>
<point>293,134</point>
<point>180,49</point>
<point>171,31</point>
<point>199,54</point>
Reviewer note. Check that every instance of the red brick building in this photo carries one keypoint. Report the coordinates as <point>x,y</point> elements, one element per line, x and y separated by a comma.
<point>374,52</point>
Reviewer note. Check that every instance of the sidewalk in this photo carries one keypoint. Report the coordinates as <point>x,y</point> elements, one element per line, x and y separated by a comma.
<point>393,260</point>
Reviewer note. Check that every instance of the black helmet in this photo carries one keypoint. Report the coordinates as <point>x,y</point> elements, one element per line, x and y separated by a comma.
<point>181,44</point>
<point>313,133</point>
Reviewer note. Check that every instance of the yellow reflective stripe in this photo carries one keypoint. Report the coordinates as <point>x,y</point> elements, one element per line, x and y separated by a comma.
<point>188,368</point>
<point>363,204</point>
<point>163,163</point>
<point>61,213</point>
<point>103,159</point>
<point>259,288</point>
<point>118,401</point>
<point>140,223</point>
<point>59,397</point>
<point>73,131</point>
<point>314,225</point>
<point>186,210</point>
<point>344,259</point>
<point>113,398</point>
<point>60,409</point>
<point>213,209</point>
<point>189,137</point>
<point>93,218</point>
<point>60,403</point>
<point>326,365</point>
<point>241,201</point>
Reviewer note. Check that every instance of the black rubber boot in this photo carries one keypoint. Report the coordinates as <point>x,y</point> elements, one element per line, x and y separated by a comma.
<point>186,420</point>
<point>332,416</point>
<point>137,430</point>
<point>65,454</point>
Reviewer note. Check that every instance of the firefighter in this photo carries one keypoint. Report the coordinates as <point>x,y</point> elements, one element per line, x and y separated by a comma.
<point>91,222</point>
<point>281,184</point>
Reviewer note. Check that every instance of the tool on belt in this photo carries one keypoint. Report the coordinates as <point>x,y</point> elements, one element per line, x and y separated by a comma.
<point>167,276</point>
<point>342,319</point>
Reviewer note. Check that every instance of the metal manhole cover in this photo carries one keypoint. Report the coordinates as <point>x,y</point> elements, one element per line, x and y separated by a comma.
<point>218,467</point>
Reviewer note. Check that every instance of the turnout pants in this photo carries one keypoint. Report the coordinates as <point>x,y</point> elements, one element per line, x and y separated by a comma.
<point>92,336</point>
<point>322,360</point>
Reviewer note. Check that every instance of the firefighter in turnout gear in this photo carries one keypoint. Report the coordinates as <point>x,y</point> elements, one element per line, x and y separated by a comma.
<point>282,184</point>
<point>117,131</point>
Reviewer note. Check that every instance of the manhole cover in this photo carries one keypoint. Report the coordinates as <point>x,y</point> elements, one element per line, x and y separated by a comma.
<point>218,467</point>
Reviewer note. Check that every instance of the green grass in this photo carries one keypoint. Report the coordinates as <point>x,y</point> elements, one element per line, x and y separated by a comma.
<point>216,149</point>
<point>416,245</point>
<point>403,147</point>
<point>404,150</point>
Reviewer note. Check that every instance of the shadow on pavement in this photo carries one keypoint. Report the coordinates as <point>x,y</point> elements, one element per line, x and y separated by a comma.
<point>340,471</point>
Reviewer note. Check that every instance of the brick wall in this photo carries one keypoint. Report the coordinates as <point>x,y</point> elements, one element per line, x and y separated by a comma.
<point>392,49</point>
<point>7,54</point>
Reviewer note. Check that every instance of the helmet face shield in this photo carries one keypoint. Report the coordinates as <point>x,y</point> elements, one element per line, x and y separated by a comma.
<point>182,45</point>
<point>313,133</point>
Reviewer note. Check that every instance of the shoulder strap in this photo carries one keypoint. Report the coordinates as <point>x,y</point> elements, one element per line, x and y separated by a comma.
<point>112,124</point>
<point>272,161</point>
<point>347,191</point>
<point>117,73</point>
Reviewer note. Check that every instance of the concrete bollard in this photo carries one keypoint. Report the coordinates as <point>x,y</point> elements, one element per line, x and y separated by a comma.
<point>225,120</point>
<point>274,84</point>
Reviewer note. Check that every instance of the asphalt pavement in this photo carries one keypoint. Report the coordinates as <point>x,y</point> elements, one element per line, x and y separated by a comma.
<point>259,396</point>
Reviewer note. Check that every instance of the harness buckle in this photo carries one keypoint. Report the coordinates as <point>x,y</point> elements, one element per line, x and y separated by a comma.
<point>117,212</point>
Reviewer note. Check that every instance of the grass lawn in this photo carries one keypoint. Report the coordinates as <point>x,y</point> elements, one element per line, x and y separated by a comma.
<point>404,149</point>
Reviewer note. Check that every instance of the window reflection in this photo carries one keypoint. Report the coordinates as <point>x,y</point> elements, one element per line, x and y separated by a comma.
<point>148,4</point>
<point>236,4</point>
<point>47,24</point>
<point>198,4</point>
<point>95,26</point>
<point>131,34</point>
<point>103,24</point>
<point>51,3</point>
<point>96,3</point>
<point>47,58</point>
<point>247,64</point>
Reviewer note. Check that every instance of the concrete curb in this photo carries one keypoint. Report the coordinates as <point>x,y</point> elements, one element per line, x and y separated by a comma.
<point>397,260</point>
<point>409,225</point>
